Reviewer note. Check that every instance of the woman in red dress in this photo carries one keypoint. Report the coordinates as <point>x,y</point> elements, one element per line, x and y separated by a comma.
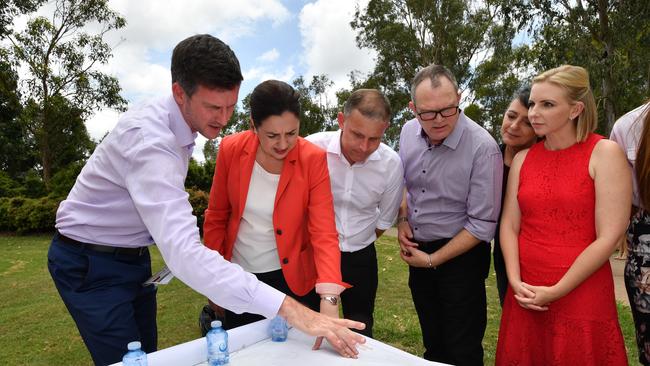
<point>567,204</point>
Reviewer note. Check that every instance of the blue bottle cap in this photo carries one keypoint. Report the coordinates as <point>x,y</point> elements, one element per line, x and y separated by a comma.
<point>216,324</point>
<point>132,346</point>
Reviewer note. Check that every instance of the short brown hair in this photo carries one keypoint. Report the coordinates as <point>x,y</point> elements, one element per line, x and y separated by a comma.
<point>371,103</point>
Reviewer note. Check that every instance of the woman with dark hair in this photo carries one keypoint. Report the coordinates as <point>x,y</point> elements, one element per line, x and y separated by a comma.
<point>517,134</point>
<point>271,208</point>
<point>567,204</point>
<point>632,133</point>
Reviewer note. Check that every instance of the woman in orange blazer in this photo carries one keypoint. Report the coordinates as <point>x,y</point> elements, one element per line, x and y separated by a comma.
<point>271,209</point>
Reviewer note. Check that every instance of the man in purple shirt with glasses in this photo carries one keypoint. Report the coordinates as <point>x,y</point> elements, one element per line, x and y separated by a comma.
<point>453,171</point>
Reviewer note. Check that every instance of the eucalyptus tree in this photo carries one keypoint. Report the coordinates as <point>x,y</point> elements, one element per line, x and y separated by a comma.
<point>61,55</point>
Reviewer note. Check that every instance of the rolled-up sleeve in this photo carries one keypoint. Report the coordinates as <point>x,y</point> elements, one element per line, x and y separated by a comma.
<point>392,197</point>
<point>484,199</point>
<point>155,179</point>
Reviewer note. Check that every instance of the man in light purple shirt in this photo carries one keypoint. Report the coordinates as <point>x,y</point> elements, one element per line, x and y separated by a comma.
<point>130,194</point>
<point>453,172</point>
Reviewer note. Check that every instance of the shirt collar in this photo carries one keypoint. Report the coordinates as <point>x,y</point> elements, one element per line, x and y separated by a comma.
<point>179,127</point>
<point>454,137</point>
<point>334,147</point>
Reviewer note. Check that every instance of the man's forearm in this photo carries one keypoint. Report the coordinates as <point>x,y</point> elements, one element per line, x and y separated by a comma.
<point>459,244</point>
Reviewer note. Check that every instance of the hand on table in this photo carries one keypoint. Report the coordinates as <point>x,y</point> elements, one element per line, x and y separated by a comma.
<point>335,330</point>
<point>327,309</point>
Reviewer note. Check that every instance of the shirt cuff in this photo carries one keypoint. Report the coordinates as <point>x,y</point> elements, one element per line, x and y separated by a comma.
<point>329,288</point>
<point>384,225</point>
<point>267,301</point>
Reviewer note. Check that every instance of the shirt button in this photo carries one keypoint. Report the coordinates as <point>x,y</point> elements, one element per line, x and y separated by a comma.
<point>278,231</point>
<point>423,191</point>
<point>285,260</point>
<point>415,210</point>
<point>415,228</point>
<point>424,171</point>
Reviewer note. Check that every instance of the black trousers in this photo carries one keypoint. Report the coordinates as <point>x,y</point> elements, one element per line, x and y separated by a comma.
<point>276,280</point>
<point>360,270</point>
<point>451,304</point>
<point>500,270</point>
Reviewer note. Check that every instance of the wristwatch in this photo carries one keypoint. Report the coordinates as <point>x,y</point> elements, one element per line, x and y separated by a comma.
<point>334,300</point>
<point>402,219</point>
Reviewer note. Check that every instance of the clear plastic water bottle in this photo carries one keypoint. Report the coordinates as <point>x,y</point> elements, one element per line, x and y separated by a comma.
<point>217,345</point>
<point>279,329</point>
<point>135,356</point>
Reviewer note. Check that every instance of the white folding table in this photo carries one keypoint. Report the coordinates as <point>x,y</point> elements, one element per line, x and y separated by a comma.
<point>251,345</point>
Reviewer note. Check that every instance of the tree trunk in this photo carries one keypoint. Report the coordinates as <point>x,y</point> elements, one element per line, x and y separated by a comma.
<point>46,151</point>
<point>608,79</point>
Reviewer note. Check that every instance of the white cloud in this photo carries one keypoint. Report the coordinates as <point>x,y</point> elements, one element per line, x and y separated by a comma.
<point>162,24</point>
<point>102,122</point>
<point>142,49</point>
<point>329,41</point>
<point>269,56</point>
<point>262,73</point>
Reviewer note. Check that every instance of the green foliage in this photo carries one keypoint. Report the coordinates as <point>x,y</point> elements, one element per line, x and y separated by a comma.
<point>409,35</point>
<point>199,200</point>
<point>11,8</point>
<point>23,215</point>
<point>17,154</point>
<point>65,178</point>
<point>8,186</point>
<point>33,185</point>
<point>316,112</point>
<point>210,151</point>
<point>199,176</point>
<point>62,82</point>
<point>474,112</point>
<point>611,39</point>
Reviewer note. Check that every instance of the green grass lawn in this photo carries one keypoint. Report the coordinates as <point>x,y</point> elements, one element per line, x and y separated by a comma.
<point>36,329</point>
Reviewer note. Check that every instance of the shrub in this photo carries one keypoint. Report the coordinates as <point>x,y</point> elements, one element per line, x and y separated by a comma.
<point>23,215</point>
<point>199,201</point>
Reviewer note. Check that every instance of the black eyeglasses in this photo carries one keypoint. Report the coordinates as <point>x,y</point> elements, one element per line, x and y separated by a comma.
<point>431,115</point>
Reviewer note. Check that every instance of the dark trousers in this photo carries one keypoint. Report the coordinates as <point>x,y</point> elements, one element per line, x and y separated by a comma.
<point>360,270</point>
<point>500,271</point>
<point>451,304</point>
<point>104,294</point>
<point>276,280</point>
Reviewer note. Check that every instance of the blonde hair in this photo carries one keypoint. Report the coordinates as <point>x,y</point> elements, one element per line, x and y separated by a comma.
<point>642,163</point>
<point>575,81</point>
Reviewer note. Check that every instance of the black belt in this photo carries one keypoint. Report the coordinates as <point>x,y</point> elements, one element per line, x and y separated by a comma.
<point>136,252</point>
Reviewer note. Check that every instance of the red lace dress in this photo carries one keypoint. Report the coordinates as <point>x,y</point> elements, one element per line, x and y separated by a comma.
<point>557,200</point>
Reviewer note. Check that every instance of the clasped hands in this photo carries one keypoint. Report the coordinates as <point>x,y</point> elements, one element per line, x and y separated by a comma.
<point>531,297</point>
<point>409,250</point>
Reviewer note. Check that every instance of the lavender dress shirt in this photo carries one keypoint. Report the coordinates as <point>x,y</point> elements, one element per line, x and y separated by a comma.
<point>454,185</point>
<point>131,193</point>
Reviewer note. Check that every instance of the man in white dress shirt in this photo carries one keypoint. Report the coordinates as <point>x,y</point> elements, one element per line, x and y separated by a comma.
<point>367,182</point>
<point>130,194</point>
